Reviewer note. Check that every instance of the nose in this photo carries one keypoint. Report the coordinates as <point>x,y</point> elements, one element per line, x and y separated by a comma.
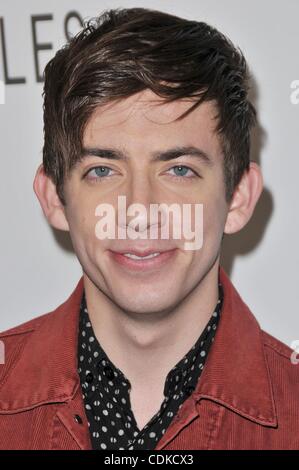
<point>140,195</point>
<point>140,189</point>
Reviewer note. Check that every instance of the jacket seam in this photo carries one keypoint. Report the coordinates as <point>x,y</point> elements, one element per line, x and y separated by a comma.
<point>257,418</point>
<point>16,333</point>
<point>52,430</point>
<point>216,428</point>
<point>57,401</point>
<point>270,385</point>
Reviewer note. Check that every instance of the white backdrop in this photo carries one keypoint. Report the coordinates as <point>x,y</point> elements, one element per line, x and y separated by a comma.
<point>38,268</point>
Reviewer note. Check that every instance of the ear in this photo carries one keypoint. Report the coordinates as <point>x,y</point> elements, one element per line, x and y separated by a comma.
<point>244,199</point>
<point>51,205</point>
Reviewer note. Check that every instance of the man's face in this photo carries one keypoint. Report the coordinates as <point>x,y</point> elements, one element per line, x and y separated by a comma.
<point>140,128</point>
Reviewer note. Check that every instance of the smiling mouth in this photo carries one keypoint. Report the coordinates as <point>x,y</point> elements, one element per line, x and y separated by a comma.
<point>153,260</point>
<point>133,256</point>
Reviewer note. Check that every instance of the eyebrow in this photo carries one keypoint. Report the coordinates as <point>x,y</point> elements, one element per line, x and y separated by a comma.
<point>171,154</point>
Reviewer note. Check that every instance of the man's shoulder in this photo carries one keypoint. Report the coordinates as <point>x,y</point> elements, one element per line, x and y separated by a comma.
<point>26,327</point>
<point>51,316</point>
<point>278,347</point>
<point>33,352</point>
<point>25,335</point>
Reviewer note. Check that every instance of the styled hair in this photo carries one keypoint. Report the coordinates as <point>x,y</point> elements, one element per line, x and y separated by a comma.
<point>125,51</point>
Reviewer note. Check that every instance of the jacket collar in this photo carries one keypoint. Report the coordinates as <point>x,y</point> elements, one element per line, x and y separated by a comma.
<point>236,371</point>
<point>46,369</point>
<point>235,374</point>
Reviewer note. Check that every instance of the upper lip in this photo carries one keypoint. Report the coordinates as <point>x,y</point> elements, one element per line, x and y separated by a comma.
<point>142,252</point>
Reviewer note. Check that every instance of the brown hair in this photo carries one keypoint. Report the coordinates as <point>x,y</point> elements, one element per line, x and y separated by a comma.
<point>124,51</point>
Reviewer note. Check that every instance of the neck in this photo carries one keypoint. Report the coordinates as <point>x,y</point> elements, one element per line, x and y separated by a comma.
<point>145,347</point>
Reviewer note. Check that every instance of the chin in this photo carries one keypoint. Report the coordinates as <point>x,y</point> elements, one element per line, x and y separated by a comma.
<point>142,304</point>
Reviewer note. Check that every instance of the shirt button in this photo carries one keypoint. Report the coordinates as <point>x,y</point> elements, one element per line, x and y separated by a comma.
<point>78,419</point>
<point>89,377</point>
<point>108,371</point>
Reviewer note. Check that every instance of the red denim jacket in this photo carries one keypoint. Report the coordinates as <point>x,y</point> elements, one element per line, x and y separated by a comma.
<point>247,396</point>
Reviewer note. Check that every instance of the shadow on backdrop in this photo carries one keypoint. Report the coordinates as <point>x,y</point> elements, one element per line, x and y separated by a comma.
<point>245,241</point>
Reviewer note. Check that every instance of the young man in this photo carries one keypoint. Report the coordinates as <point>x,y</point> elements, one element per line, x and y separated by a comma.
<point>155,348</point>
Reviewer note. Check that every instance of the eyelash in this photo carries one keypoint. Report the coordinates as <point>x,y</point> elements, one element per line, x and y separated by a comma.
<point>195,174</point>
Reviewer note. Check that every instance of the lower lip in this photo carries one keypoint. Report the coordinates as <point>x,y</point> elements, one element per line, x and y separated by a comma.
<point>143,264</point>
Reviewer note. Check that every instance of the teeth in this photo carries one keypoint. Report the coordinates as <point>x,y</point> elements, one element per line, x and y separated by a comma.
<point>130,255</point>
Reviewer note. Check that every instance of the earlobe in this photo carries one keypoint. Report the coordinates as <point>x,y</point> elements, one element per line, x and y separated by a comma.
<point>51,205</point>
<point>244,200</point>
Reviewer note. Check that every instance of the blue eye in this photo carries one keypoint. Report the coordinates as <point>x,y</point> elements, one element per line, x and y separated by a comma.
<point>100,171</point>
<point>181,171</point>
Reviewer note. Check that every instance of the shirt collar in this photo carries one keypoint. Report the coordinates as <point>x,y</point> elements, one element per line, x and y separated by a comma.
<point>93,359</point>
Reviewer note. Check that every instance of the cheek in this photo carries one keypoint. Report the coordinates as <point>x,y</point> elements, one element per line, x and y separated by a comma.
<point>207,227</point>
<point>81,213</point>
<point>82,226</point>
<point>213,225</point>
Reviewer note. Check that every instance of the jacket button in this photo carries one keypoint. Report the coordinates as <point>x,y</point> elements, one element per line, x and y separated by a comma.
<point>109,372</point>
<point>89,377</point>
<point>78,419</point>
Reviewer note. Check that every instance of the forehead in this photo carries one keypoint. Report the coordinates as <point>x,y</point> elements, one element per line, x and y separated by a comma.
<point>149,119</point>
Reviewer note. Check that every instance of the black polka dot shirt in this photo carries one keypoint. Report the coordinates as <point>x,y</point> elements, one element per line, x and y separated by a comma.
<point>106,391</point>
